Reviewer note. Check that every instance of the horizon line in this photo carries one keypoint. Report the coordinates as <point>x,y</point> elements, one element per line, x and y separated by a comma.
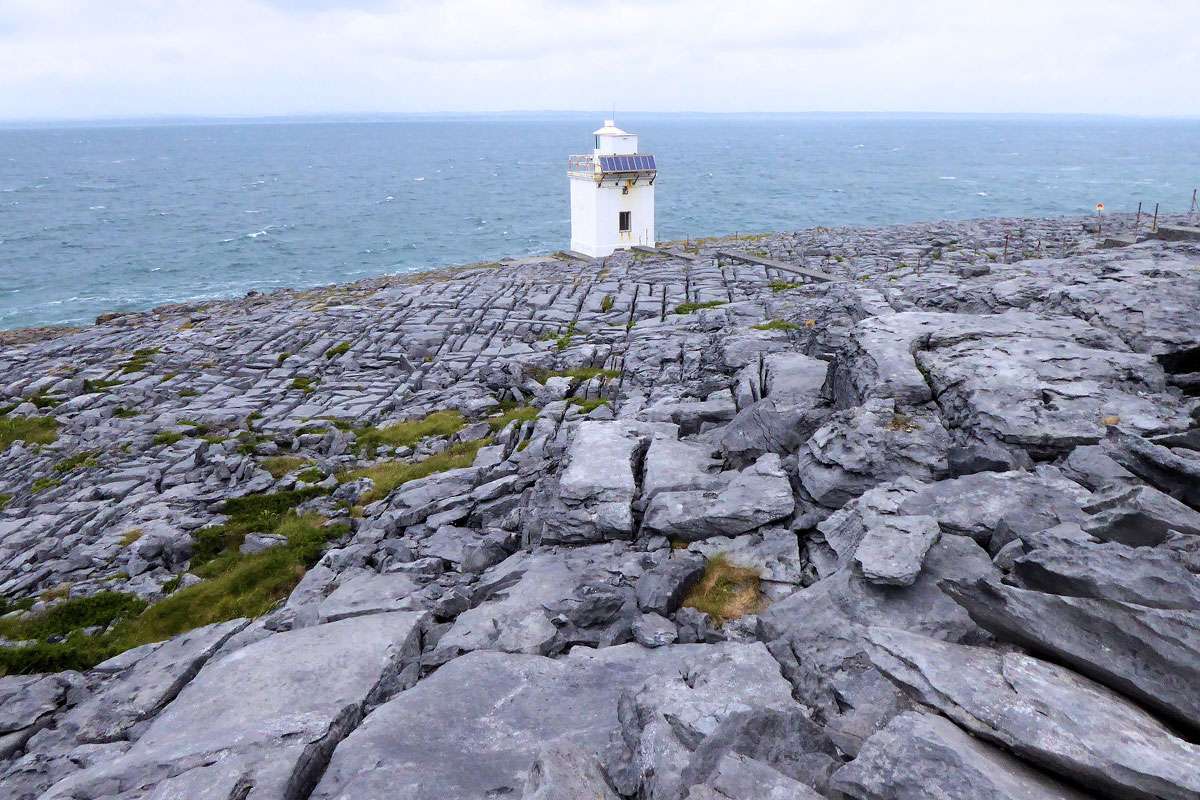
<point>317,116</point>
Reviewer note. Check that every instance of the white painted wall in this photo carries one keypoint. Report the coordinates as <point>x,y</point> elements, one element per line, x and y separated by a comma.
<point>625,144</point>
<point>595,220</point>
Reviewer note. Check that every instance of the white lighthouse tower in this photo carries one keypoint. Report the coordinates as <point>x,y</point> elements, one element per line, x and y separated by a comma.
<point>612,194</point>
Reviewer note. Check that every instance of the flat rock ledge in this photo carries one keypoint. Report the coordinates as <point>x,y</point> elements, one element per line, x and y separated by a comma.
<point>482,515</point>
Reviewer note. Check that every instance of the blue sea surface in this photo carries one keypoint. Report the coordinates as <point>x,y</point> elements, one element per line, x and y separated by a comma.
<point>102,217</point>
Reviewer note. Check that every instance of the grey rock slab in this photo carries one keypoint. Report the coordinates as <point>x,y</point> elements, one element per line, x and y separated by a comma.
<point>768,426</point>
<point>918,756</point>
<point>672,466</point>
<point>144,687</point>
<point>666,718</point>
<point>1151,655</point>
<point>1139,516</point>
<point>892,551</point>
<point>567,773</point>
<point>1045,714</point>
<point>662,588</point>
<point>27,699</point>
<point>736,777</point>
<point>652,630</point>
<point>1108,571</point>
<point>787,741</point>
<point>273,710</point>
<point>1162,467</point>
<point>477,724</point>
<point>592,499</point>
<point>772,551</point>
<point>861,447</point>
<point>512,609</point>
<point>756,496</point>
<point>1047,396</point>
<point>994,507</point>
<point>370,593</point>
<point>818,633</point>
<point>415,500</point>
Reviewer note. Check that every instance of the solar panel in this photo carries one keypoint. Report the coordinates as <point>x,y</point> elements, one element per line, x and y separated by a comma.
<point>626,163</point>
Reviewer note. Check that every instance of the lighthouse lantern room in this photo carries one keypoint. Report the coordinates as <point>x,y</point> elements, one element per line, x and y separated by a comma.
<point>612,194</point>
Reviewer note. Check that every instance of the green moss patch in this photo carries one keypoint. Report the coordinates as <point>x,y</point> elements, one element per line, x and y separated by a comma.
<point>688,308</point>
<point>339,349</point>
<point>140,361</point>
<point>777,325</point>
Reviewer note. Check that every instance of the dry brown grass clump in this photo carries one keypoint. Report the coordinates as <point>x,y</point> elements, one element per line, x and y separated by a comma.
<point>726,591</point>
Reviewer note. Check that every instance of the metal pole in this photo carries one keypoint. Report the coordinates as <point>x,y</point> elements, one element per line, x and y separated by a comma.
<point>1005,248</point>
<point>1154,225</point>
<point>1137,221</point>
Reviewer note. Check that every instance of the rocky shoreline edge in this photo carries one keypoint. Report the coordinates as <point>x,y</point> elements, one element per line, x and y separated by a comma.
<point>845,513</point>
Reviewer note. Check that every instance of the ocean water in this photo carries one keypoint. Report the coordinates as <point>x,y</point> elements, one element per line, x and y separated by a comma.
<point>95,218</point>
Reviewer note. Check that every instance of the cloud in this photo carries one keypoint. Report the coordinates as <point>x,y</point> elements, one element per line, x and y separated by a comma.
<point>132,57</point>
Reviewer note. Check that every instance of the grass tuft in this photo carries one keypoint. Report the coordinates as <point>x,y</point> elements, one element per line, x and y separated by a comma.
<point>515,414</point>
<point>590,405</point>
<point>279,466</point>
<point>407,434</point>
<point>579,374</point>
<point>234,586</point>
<point>31,430</point>
<point>167,437</point>
<point>44,483</point>
<point>304,383</point>
<point>261,513</point>
<point>726,591</point>
<point>783,286</point>
<point>86,458</point>
<point>391,474</point>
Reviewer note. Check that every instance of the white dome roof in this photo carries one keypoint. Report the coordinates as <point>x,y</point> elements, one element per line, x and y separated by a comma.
<point>610,129</point>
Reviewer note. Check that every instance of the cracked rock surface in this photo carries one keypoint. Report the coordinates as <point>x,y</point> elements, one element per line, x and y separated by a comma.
<point>674,525</point>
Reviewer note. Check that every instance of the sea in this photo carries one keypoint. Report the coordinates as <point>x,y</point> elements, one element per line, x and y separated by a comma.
<point>128,215</point>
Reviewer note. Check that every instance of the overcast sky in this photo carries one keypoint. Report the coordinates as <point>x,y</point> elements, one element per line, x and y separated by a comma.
<point>82,59</point>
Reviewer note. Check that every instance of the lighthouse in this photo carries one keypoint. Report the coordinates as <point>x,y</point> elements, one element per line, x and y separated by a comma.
<point>612,194</point>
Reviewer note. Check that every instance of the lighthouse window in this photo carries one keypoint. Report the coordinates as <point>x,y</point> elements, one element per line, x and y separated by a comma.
<point>623,222</point>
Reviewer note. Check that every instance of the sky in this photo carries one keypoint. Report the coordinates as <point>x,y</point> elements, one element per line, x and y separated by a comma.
<point>77,59</point>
